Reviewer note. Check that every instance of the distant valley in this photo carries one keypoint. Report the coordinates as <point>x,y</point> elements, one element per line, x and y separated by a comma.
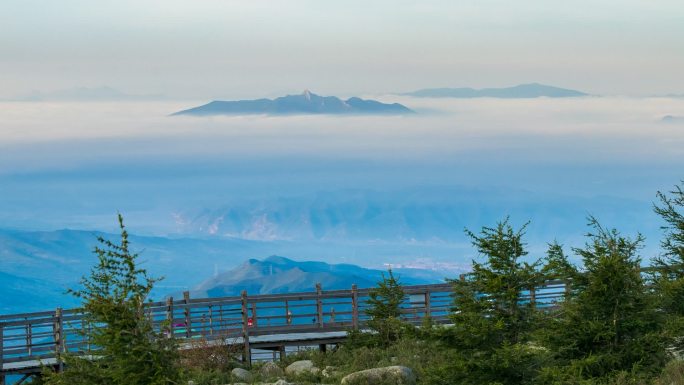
<point>37,267</point>
<point>306,103</point>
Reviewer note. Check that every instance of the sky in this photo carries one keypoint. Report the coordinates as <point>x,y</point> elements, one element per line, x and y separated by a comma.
<point>74,164</point>
<point>240,49</point>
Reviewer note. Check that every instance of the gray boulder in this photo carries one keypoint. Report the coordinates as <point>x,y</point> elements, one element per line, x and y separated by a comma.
<point>395,375</point>
<point>271,370</point>
<point>301,367</point>
<point>329,371</point>
<point>241,375</point>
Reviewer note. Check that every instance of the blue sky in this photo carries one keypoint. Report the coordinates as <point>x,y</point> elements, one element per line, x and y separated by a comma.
<point>74,164</point>
<point>212,48</point>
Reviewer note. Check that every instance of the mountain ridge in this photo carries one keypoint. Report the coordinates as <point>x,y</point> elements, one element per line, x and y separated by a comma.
<point>521,91</point>
<point>277,275</point>
<point>306,103</point>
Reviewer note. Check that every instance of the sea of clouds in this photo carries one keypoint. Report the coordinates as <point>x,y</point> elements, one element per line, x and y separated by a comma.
<point>74,164</point>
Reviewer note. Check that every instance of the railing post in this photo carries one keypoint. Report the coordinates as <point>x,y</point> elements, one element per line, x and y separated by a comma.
<point>319,305</point>
<point>428,310</point>
<point>533,297</point>
<point>186,300</point>
<point>247,354</point>
<point>89,336</point>
<point>211,324</point>
<point>355,307</point>
<point>254,315</point>
<point>169,316</point>
<point>2,344</point>
<point>58,331</point>
<point>203,321</point>
<point>288,315</point>
<point>29,338</point>
<point>568,289</point>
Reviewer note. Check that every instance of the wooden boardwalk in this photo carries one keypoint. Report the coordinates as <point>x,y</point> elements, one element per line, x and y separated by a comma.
<point>31,340</point>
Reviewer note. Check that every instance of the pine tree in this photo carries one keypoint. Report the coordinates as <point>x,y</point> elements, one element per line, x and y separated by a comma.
<point>128,349</point>
<point>610,325</point>
<point>668,273</point>
<point>556,264</point>
<point>384,309</point>
<point>492,318</point>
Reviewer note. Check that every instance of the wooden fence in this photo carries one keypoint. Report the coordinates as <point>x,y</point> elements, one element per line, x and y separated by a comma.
<point>30,340</point>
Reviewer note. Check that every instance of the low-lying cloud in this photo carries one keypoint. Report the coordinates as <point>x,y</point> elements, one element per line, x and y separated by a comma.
<point>75,164</point>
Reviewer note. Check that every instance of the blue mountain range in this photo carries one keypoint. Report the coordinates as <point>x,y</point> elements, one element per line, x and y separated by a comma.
<point>277,274</point>
<point>305,103</point>
<point>37,267</point>
<point>522,91</point>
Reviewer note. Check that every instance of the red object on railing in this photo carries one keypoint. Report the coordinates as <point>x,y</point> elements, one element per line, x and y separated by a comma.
<point>250,321</point>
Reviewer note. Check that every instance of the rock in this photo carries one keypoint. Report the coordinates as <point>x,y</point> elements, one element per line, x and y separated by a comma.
<point>396,375</point>
<point>329,371</point>
<point>301,367</point>
<point>271,370</point>
<point>282,382</point>
<point>241,375</point>
<point>191,382</point>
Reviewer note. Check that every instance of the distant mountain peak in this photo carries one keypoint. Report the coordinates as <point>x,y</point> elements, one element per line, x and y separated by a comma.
<point>278,259</point>
<point>520,91</point>
<point>672,119</point>
<point>306,103</point>
<point>277,274</point>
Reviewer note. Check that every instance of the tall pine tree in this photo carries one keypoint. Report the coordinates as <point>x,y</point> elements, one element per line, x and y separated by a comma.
<point>128,351</point>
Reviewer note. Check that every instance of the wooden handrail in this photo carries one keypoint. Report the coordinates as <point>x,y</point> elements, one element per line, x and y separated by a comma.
<point>27,337</point>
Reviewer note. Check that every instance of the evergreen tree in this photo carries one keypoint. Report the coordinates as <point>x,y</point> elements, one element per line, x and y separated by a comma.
<point>672,211</point>
<point>556,264</point>
<point>668,272</point>
<point>384,309</point>
<point>610,325</point>
<point>128,350</point>
<point>492,318</point>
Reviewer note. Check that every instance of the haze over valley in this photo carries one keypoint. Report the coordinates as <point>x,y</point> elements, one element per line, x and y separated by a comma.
<point>206,194</point>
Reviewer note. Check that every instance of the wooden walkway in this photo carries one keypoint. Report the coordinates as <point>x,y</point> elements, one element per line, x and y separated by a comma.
<point>31,340</point>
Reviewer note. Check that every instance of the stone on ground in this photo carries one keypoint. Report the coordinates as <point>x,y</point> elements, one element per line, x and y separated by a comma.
<point>301,367</point>
<point>242,375</point>
<point>271,370</point>
<point>395,375</point>
<point>329,371</point>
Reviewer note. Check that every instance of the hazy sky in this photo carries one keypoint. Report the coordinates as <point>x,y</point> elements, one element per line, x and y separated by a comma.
<point>219,48</point>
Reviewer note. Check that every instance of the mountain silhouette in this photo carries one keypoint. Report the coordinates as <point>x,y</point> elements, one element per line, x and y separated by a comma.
<point>277,274</point>
<point>522,91</point>
<point>306,103</point>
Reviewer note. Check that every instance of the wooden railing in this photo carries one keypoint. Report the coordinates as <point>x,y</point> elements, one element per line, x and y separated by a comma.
<point>30,340</point>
